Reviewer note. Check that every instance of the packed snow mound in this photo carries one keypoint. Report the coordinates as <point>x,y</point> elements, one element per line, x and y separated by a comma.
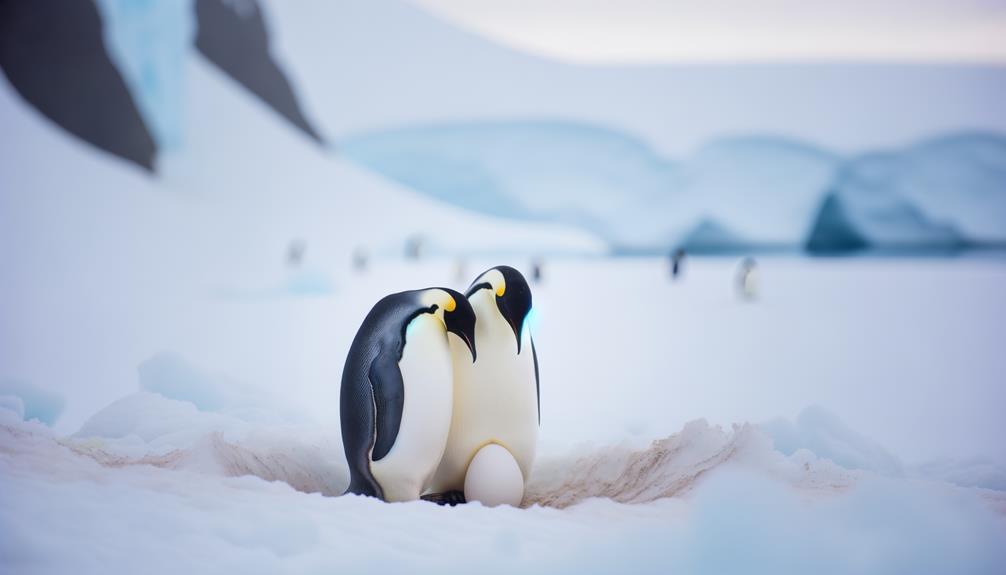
<point>817,454</point>
<point>173,377</point>
<point>673,466</point>
<point>149,429</point>
<point>729,511</point>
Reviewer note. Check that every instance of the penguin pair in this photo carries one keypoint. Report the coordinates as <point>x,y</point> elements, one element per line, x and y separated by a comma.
<point>423,413</point>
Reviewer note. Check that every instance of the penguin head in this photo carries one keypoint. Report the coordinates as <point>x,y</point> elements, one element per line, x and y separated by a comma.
<point>454,310</point>
<point>512,294</point>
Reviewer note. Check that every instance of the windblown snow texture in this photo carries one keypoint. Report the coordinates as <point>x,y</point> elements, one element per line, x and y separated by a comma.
<point>234,36</point>
<point>53,53</point>
<point>154,475</point>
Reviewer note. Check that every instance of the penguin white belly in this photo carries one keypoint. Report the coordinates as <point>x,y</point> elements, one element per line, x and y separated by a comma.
<point>409,466</point>
<point>495,401</point>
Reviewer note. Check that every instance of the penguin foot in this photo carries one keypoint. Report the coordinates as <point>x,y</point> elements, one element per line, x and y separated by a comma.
<point>451,498</point>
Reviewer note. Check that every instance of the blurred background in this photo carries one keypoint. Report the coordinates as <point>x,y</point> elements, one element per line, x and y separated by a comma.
<point>726,209</point>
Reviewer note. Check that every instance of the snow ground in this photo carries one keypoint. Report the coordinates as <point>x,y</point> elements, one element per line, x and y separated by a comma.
<point>152,485</point>
<point>226,454</point>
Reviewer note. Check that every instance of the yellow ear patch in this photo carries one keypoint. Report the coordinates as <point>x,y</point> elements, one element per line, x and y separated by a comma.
<point>450,305</point>
<point>500,290</point>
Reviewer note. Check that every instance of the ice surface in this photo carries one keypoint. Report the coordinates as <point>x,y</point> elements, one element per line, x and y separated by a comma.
<point>150,42</point>
<point>31,401</point>
<point>944,194</point>
<point>605,181</point>
<point>958,180</point>
<point>824,434</point>
<point>735,194</point>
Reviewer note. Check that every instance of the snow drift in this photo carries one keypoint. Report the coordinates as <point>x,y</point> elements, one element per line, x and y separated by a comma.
<point>154,475</point>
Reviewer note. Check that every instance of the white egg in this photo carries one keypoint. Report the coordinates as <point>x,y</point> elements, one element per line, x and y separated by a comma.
<point>494,478</point>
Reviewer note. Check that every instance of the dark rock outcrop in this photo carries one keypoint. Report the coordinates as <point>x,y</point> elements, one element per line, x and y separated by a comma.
<point>233,36</point>
<point>53,53</point>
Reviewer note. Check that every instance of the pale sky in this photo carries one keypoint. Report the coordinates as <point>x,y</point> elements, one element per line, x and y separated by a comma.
<point>598,31</point>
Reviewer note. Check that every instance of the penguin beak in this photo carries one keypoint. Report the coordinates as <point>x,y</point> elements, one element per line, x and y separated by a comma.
<point>470,343</point>
<point>516,332</point>
<point>461,322</point>
<point>510,319</point>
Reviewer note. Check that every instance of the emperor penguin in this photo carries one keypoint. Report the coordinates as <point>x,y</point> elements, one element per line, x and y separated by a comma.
<point>496,397</point>
<point>396,398</point>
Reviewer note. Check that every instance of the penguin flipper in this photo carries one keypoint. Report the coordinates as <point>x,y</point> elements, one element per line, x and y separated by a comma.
<point>537,388</point>
<point>357,408</point>
<point>389,399</point>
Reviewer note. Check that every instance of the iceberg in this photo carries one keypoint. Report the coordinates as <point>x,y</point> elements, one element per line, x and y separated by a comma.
<point>605,181</point>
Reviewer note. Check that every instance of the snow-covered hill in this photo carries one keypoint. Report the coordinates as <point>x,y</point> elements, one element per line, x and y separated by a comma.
<point>639,157</point>
<point>365,65</point>
<point>99,253</point>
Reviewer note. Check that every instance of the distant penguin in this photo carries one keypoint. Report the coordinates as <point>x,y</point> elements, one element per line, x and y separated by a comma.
<point>495,397</point>
<point>360,259</point>
<point>747,279</point>
<point>295,253</point>
<point>397,391</point>
<point>677,263</point>
<point>415,246</point>
<point>537,272</point>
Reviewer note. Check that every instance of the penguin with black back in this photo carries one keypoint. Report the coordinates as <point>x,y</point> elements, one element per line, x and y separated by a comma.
<point>396,398</point>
